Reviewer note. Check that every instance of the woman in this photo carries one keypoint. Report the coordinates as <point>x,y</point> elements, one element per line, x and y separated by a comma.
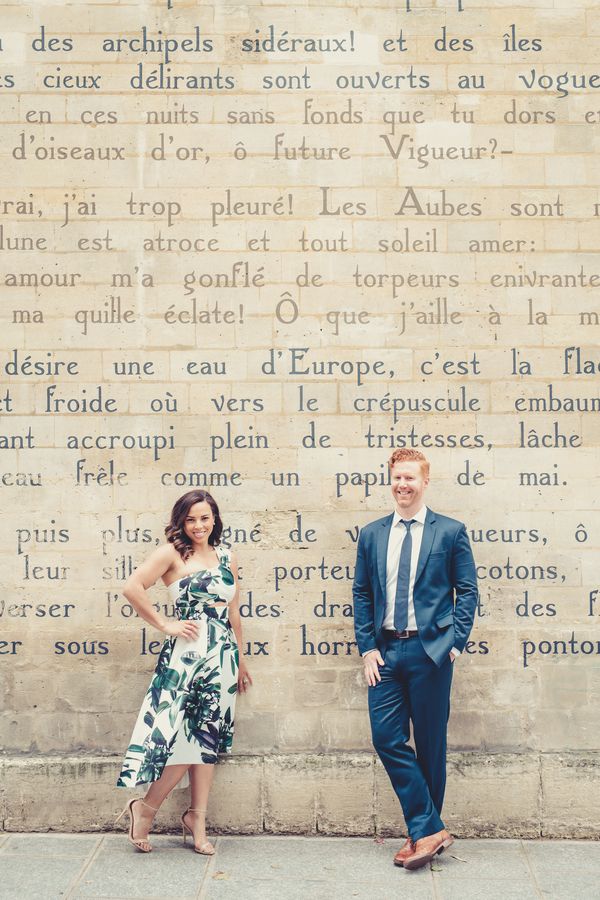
<point>186,718</point>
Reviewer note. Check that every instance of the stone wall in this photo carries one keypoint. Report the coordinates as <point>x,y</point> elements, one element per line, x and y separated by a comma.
<point>261,278</point>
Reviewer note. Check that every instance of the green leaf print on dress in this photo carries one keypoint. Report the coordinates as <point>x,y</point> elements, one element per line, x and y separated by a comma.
<point>226,574</point>
<point>187,715</point>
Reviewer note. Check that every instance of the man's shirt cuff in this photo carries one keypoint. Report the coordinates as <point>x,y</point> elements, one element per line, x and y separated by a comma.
<point>455,651</point>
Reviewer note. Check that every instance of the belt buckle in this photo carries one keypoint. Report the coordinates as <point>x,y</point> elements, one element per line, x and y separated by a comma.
<point>402,635</point>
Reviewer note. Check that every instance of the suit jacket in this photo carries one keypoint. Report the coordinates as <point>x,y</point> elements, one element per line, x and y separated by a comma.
<point>445,591</point>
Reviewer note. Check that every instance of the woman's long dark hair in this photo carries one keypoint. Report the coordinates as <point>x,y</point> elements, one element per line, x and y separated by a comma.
<point>175,532</point>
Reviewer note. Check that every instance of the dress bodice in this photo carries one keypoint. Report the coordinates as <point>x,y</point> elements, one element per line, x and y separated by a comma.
<point>206,586</point>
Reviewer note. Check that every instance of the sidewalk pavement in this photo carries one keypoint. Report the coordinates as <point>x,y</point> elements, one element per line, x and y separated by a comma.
<point>77,866</point>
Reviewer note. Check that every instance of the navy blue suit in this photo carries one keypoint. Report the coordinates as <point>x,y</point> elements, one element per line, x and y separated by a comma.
<point>417,675</point>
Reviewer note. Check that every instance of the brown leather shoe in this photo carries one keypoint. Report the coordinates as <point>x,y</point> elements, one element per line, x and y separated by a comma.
<point>427,847</point>
<point>404,852</point>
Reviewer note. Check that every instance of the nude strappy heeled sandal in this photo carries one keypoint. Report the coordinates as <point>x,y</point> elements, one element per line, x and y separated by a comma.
<point>139,842</point>
<point>206,849</point>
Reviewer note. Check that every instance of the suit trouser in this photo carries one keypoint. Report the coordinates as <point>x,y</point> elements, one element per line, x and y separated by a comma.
<point>413,688</point>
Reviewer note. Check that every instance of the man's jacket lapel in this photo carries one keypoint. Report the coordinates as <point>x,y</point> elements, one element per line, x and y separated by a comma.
<point>383,539</point>
<point>426,543</point>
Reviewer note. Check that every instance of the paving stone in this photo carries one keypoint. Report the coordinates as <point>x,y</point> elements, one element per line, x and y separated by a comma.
<point>67,845</point>
<point>486,889</point>
<point>484,859</point>
<point>580,857</point>
<point>315,859</point>
<point>239,889</point>
<point>120,871</point>
<point>36,879</point>
<point>49,866</point>
<point>556,887</point>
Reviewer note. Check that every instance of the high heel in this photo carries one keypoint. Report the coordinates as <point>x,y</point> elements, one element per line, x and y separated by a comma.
<point>206,849</point>
<point>140,842</point>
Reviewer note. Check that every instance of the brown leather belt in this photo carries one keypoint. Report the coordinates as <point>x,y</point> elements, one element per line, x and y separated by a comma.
<point>400,635</point>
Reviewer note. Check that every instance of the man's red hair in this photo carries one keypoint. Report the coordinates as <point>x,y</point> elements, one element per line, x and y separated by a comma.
<point>408,455</point>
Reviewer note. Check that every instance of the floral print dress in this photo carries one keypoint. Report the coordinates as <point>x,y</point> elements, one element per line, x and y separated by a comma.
<point>187,712</point>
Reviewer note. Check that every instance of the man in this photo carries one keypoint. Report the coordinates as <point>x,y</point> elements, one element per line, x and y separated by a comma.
<point>415,595</point>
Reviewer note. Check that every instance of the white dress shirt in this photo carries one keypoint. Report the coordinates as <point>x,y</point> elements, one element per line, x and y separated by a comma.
<point>398,533</point>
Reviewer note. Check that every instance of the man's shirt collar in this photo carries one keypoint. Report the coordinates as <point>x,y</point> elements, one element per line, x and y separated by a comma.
<point>418,516</point>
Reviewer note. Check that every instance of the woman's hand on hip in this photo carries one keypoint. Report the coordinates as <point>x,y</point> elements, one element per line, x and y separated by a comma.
<point>185,628</point>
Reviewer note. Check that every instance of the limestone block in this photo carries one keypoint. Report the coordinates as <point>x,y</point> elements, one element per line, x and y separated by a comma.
<point>344,792</point>
<point>255,730</point>
<point>388,812</point>
<point>291,794</point>
<point>298,729</point>
<point>236,802</point>
<point>569,786</point>
<point>513,805</point>
<point>64,794</point>
<point>346,729</point>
